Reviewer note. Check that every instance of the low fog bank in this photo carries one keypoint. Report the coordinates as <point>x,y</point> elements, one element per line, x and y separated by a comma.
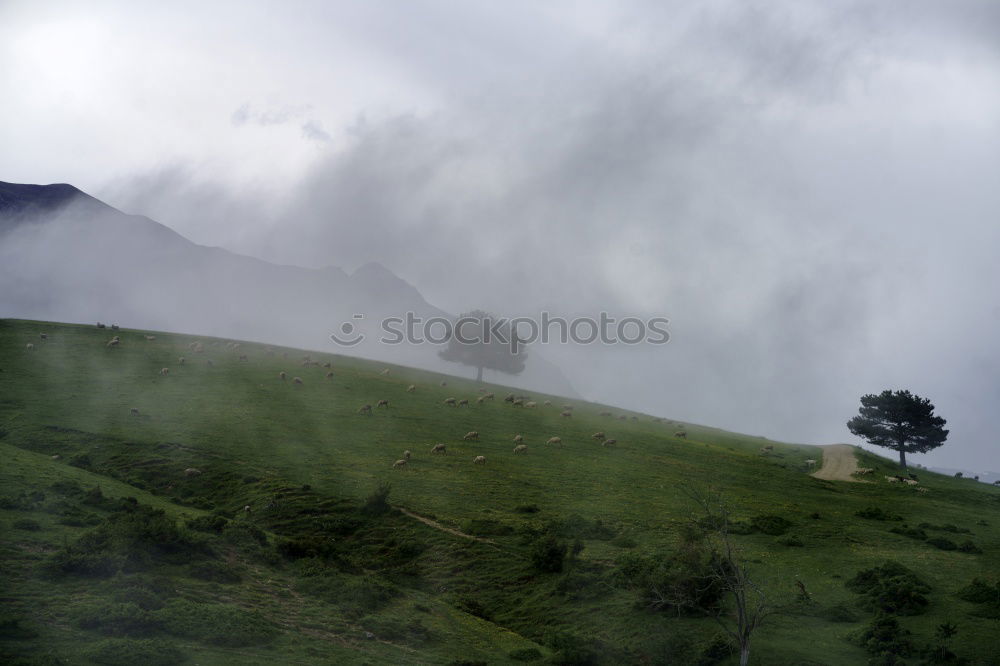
<point>82,266</point>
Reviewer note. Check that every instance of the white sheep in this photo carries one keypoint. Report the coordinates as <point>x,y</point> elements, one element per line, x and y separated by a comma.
<point>489,396</point>
<point>43,336</point>
<point>150,337</point>
<point>530,404</point>
<point>439,448</point>
<point>910,482</point>
<point>164,371</point>
<point>407,454</point>
<point>609,442</point>
<point>810,462</point>
<point>681,434</point>
<point>411,388</point>
<point>599,436</point>
<point>518,439</point>
<point>892,479</point>
<point>114,342</point>
<point>382,403</point>
<point>329,375</point>
<point>463,403</point>
<point>399,464</point>
<point>471,436</point>
<point>385,372</point>
<point>180,360</point>
<point>450,401</point>
<point>554,440</point>
<point>566,414</point>
<point>246,509</point>
<point>479,460</point>
<point>192,471</point>
<point>365,409</point>
<point>520,448</point>
<point>30,346</point>
<point>480,400</point>
<point>296,380</point>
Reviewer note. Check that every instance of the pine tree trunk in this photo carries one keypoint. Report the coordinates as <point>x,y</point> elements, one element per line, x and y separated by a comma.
<point>479,373</point>
<point>902,458</point>
<point>744,655</point>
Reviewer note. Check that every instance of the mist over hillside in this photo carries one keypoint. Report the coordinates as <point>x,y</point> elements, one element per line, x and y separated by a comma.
<point>66,256</point>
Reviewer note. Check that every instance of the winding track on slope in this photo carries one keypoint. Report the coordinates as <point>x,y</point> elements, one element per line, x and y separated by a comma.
<point>838,463</point>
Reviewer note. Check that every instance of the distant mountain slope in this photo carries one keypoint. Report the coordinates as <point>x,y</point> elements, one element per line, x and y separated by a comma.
<point>65,255</point>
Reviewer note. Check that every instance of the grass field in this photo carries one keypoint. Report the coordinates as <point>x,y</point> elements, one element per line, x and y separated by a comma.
<point>318,572</point>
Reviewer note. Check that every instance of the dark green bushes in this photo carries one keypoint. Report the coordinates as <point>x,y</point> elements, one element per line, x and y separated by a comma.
<point>129,652</point>
<point>891,589</point>
<point>216,624</point>
<point>876,513</point>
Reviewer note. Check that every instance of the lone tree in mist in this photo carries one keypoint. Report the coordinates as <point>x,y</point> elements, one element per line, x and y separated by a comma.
<point>483,341</point>
<point>899,420</point>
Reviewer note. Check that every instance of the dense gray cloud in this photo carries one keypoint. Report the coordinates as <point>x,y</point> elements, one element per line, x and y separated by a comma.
<point>805,189</point>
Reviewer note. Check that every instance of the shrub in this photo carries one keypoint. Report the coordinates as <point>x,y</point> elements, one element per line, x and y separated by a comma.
<point>485,527</point>
<point>772,525</point>
<point>980,592</point>
<point>128,652</point>
<point>623,541</point>
<point>876,513</point>
<point>969,547</point>
<point>911,532</point>
<point>216,624</point>
<point>945,528</point>
<point>140,596</point>
<point>891,588</point>
<point>547,554</point>
<point>942,543</point>
<point>213,523</point>
<point>792,542</point>
<point>378,501</point>
<point>884,638</point>
<point>27,524</point>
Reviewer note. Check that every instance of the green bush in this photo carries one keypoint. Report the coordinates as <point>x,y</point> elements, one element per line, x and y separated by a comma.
<point>885,639</point>
<point>216,624</point>
<point>891,589</point>
<point>910,532</point>
<point>876,513</point>
<point>772,525</point>
<point>548,553</point>
<point>942,543</point>
<point>792,542</point>
<point>129,652</point>
<point>212,523</point>
<point>527,508</point>
<point>485,527</point>
<point>378,501</point>
<point>969,547</point>
<point>624,541</point>
<point>26,524</point>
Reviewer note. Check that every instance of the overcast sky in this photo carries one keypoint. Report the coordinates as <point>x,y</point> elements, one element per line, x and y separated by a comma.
<point>810,191</point>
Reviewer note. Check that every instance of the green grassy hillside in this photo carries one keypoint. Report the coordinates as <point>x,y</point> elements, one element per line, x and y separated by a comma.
<point>320,570</point>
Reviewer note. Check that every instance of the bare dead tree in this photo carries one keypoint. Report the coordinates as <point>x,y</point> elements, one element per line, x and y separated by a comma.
<point>748,605</point>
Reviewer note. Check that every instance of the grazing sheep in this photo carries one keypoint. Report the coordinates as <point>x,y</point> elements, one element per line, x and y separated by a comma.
<point>100,325</point>
<point>489,396</point>
<point>605,414</point>
<point>450,401</point>
<point>329,375</point>
<point>520,448</point>
<point>134,411</point>
<point>518,402</point>
<point>769,447</point>
<point>480,400</point>
<point>29,347</point>
<point>609,442</point>
<point>530,404</point>
<point>296,380</point>
<point>681,434</point>
<point>554,440</point>
<point>622,417</point>
<point>282,375</point>
<point>399,464</point>
<point>810,462</point>
<point>385,372</point>
<point>164,371</point>
<point>463,403</point>
<point>863,471</point>
<point>150,337</point>
<point>518,439</point>
<point>479,460</point>
<point>439,448</point>
<point>191,471</point>
<point>921,490</point>
<point>180,360</point>
<point>892,479</point>
<point>509,397</point>
<point>43,336</point>
<point>114,342</point>
<point>471,436</point>
<point>566,414</point>
<point>411,388</point>
<point>547,403</point>
<point>910,482</point>
<point>444,383</point>
<point>599,436</point>
<point>365,409</point>
<point>407,454</point>
<point>59,457</point>
<point>382,403</point>
<point>246,509</point>
<point>568,408</point>
<point>244,358</point>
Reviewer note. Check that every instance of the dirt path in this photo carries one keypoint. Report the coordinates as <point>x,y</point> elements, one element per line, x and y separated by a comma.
<point>438,526</point>
<point>838,463</point>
